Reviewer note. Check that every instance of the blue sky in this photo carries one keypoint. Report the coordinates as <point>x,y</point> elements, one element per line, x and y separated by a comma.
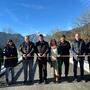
<point>31,16</point>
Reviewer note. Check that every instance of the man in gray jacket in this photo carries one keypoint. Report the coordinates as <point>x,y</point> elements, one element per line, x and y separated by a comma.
<point>78,50</point>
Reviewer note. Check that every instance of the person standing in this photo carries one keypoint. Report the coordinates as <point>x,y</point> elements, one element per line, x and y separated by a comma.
<point>10,60</point>
<point>27,49</point>
<point>64,51</point>
<point>53,57</point>
<point>1,58</point>
<point>42,49</point>
<point>78,50</point>
<point>88,52</point>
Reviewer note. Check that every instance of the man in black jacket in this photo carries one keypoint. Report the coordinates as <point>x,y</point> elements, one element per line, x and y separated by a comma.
<point>88,52</point>
<point>78,50</point>
<point>27,51</point>
<point>42,49</point>
<point>64,48</point>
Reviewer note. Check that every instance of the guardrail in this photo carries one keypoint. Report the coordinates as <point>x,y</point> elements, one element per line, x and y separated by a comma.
<point>3,69</point>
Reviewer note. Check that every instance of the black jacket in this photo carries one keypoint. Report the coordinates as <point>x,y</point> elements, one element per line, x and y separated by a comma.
<point>64,48</point>
<point>27,49</point>
<point>88,48</point>
<point>42,47</point>
<point>1,55</point>
<point>11,56</point>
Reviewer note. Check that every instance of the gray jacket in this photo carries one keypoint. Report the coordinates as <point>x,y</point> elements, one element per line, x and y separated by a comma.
<point>78,48</point>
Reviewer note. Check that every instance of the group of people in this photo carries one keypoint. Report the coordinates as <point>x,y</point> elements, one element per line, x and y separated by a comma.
<point>56,53</point>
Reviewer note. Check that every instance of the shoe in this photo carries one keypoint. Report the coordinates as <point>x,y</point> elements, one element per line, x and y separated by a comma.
<point>7,82</point>
<point>59,78</point>
<point>56,79</point>
<point>40,81</point>
<point>74,79</point>
<point>82,79</point>
<point>66,75</point>
<point>31,82</point>
<point>13,82</point>
<point>25,82</point>
<point>45,81</point>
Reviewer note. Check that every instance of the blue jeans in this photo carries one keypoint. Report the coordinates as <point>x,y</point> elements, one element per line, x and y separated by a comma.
<point>8,70</point>
<point>28,73</point>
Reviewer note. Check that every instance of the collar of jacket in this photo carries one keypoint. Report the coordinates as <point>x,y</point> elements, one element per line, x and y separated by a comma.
<point>42,41</point>
<point>78,40</point>
<point>26,43</point>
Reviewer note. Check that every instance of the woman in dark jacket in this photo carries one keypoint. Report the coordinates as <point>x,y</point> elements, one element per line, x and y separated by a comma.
<point>10,59</point>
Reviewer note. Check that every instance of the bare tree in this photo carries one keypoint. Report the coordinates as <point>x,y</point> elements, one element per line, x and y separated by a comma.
<point>83,19</point>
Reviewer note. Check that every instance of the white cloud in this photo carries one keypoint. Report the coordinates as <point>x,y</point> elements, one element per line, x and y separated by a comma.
<point>33,6</point>
<point>86,3</point>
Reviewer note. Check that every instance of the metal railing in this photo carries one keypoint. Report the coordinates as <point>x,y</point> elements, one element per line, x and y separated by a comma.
<point>20,61</point>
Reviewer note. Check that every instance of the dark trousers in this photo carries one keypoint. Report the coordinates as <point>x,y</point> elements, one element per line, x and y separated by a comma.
<point>0,66</point>
<point>66,63</point>
<point>42,64</point>
<point>81,62</point>
<point>89,62</point>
